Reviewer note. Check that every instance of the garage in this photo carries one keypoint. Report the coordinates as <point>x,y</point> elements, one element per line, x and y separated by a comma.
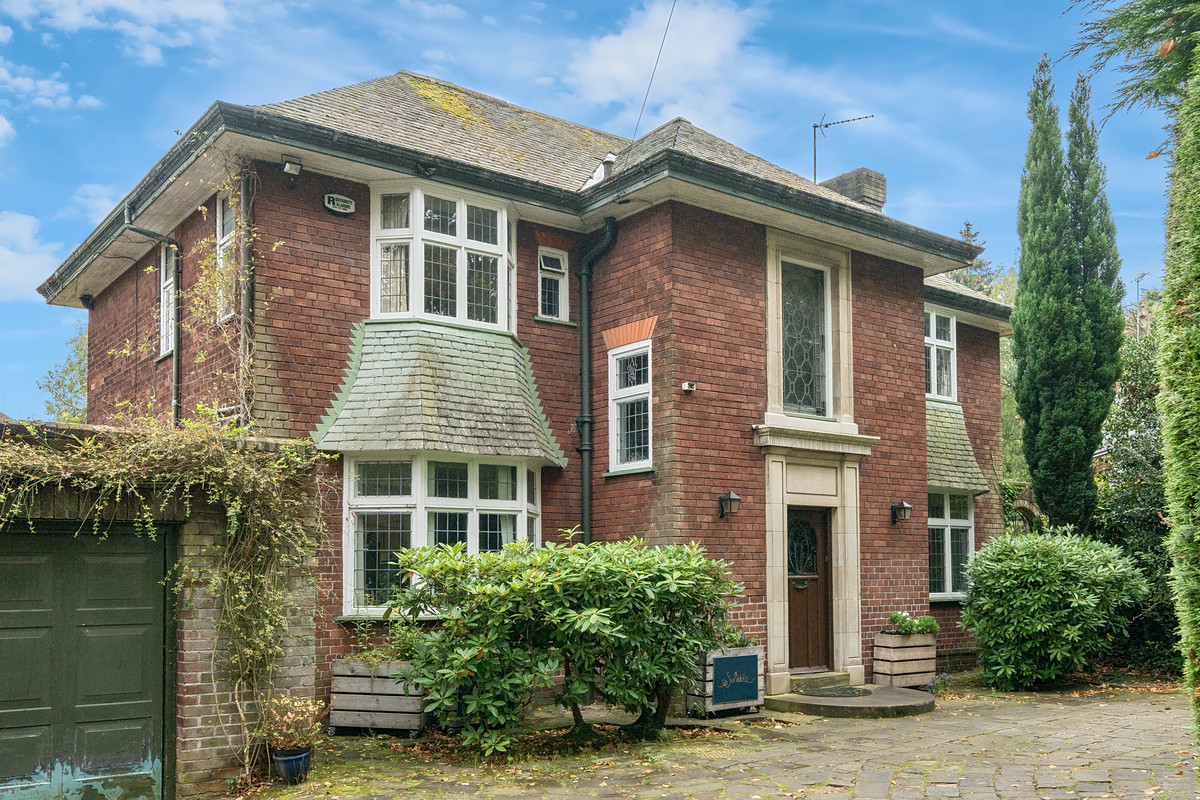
<point>83,665</point>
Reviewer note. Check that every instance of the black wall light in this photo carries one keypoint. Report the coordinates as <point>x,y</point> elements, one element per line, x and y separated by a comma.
<point>901,512</point>
<point>729,503</point>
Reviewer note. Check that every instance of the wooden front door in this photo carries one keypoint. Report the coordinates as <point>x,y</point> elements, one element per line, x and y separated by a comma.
<point>809,592</point>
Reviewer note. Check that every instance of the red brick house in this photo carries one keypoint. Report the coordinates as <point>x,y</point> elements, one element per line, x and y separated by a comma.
<point>420,272</point>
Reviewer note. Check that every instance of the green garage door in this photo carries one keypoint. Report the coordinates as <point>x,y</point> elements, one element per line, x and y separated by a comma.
<point>81,667</point>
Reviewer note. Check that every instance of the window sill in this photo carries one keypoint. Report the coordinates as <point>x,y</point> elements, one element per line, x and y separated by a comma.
<point>164,356</point>
<point>629,471</point>
<point>556,321</point>
<point>948,598</point>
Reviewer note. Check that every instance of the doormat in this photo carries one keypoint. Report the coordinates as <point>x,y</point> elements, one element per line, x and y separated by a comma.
<point>837,691</point>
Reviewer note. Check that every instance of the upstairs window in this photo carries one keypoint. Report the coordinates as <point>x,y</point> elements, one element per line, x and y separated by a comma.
<point>951,542</point>
<point>940,379</point>
<point>227,278</point>
<point>804,293</point>
<point>166,300</point>
<point>553,284</point>
<point>629,407</point>
<point>440,255</point>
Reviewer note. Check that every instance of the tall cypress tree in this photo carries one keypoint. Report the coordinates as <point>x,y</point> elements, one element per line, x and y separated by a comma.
<point>1179,371</point>
<point>1066,305</point>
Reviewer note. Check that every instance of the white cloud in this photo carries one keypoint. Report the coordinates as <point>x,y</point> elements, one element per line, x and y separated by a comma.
<point>7,132</point>
<point>5,34</point>
<point>25,261</point>
<point>700,75</point>
<point>92,201</point>
<point>427,10</point>
<point>43,91</point>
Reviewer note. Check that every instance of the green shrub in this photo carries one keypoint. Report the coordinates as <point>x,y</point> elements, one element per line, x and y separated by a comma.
<point>622,620</point>
<point>1042,605</point>
<point>904,624</point>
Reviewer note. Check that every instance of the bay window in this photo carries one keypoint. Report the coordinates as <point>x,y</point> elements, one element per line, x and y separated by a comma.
<point>438,254</point>
<point>402,501</point>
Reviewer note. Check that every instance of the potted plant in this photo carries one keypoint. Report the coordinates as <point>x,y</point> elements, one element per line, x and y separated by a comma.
<point>906,655</point>
<point>369,686</point>
<point>730,676</point>
<point>290,726</point>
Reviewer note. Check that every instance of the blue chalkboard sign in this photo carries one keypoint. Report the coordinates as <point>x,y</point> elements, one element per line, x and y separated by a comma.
<point>735,679</point>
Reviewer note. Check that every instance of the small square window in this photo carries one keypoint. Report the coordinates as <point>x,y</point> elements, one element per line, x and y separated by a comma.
<point>633,370</point>
<point>383,478</point>
<point>497,482</point>
<point>393,212</point>
<point>441,216</point>
<point>448,527</point>
<point>496,530</point>
<point>447,479</point>
<point>483,225</point>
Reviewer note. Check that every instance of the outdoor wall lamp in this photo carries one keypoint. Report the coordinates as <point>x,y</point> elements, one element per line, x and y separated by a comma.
<point>901,512</point>
<point>292,165</point>
<point>729,503</point>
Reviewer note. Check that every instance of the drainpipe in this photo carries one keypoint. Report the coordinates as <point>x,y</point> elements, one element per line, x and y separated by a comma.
<point>584,421</point>
<point>247,298</point>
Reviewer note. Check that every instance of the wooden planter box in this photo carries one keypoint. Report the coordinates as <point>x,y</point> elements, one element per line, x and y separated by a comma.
<point>366,698</point>
<point>730,678</point>
<point>904,660</point>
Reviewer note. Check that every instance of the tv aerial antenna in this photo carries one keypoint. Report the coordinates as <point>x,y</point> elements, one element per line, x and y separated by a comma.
<point>821,126</point>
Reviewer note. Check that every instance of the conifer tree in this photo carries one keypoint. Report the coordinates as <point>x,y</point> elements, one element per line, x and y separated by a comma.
<point>1064,340</point>
<point>1179,371</point>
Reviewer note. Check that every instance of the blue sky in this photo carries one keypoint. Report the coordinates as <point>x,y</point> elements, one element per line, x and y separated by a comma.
<point>93,92</point>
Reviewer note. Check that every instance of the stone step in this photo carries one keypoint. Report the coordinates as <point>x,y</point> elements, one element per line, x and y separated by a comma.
<point>878,702</point>
<point>818,680</point>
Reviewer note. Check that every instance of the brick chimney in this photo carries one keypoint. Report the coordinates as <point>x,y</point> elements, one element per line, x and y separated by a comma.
<point>861,185</point>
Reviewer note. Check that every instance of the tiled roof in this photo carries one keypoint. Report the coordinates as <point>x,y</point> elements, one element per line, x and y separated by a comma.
<point>947,290</point>
<point>441,119</point>
<point>423,386</point>
<point>681,136</point>
<point>950,460</point>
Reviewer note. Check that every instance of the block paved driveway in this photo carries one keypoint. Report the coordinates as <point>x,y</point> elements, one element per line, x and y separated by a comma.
<point>1122,743</point>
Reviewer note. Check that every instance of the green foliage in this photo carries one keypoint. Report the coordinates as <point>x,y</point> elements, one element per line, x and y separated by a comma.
<point>66,383</point>
<point>393,639</point>
<point>905,624</point>
<point>620,619</point>
<point>271,496</point>
<point>1131,513</point>
<point>1153,39</point>
<point>941,685</point>
<point>1066,319</point>
<point>1043,605</point>
<point>1179,372</point>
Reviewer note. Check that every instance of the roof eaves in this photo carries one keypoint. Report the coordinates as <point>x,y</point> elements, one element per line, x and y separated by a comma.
<point>989,308</point>
<point>671,163</point>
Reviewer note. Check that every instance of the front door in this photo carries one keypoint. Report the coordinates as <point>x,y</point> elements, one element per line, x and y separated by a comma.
<point>809,593</point>
<point>81,666</point>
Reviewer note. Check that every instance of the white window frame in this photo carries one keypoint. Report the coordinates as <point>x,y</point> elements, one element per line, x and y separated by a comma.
<point>932,347</point>
<point>226,260</point>
<point>166,299</point>
<point>945,524</point>
<point>618,397</point>
<point>561,277</point>
<point>419,504</point>
<point>416,237</point>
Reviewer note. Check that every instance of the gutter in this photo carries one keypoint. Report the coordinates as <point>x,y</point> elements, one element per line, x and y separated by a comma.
<point>584,421</point>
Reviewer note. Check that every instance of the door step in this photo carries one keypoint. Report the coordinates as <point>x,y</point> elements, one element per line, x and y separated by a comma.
<point>869,702</point>
<point>818,680</point>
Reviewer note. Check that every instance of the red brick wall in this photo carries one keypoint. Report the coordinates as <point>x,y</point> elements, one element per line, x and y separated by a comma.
<point>718,317</point>
<point>632,283</point>
<point>125,375</point>
<point>312,284</point>
<point>889,402</point>
<point>554,352</point>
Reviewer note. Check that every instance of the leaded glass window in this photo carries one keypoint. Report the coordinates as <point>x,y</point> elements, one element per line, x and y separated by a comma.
<point>483,280</point>
<point>630,406</point>
<point>380,536</point>
<point>940,355</point>
<point>441,266</point>
<point>951,542</point>
<point>805,349</point>
<point>393,278</point>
